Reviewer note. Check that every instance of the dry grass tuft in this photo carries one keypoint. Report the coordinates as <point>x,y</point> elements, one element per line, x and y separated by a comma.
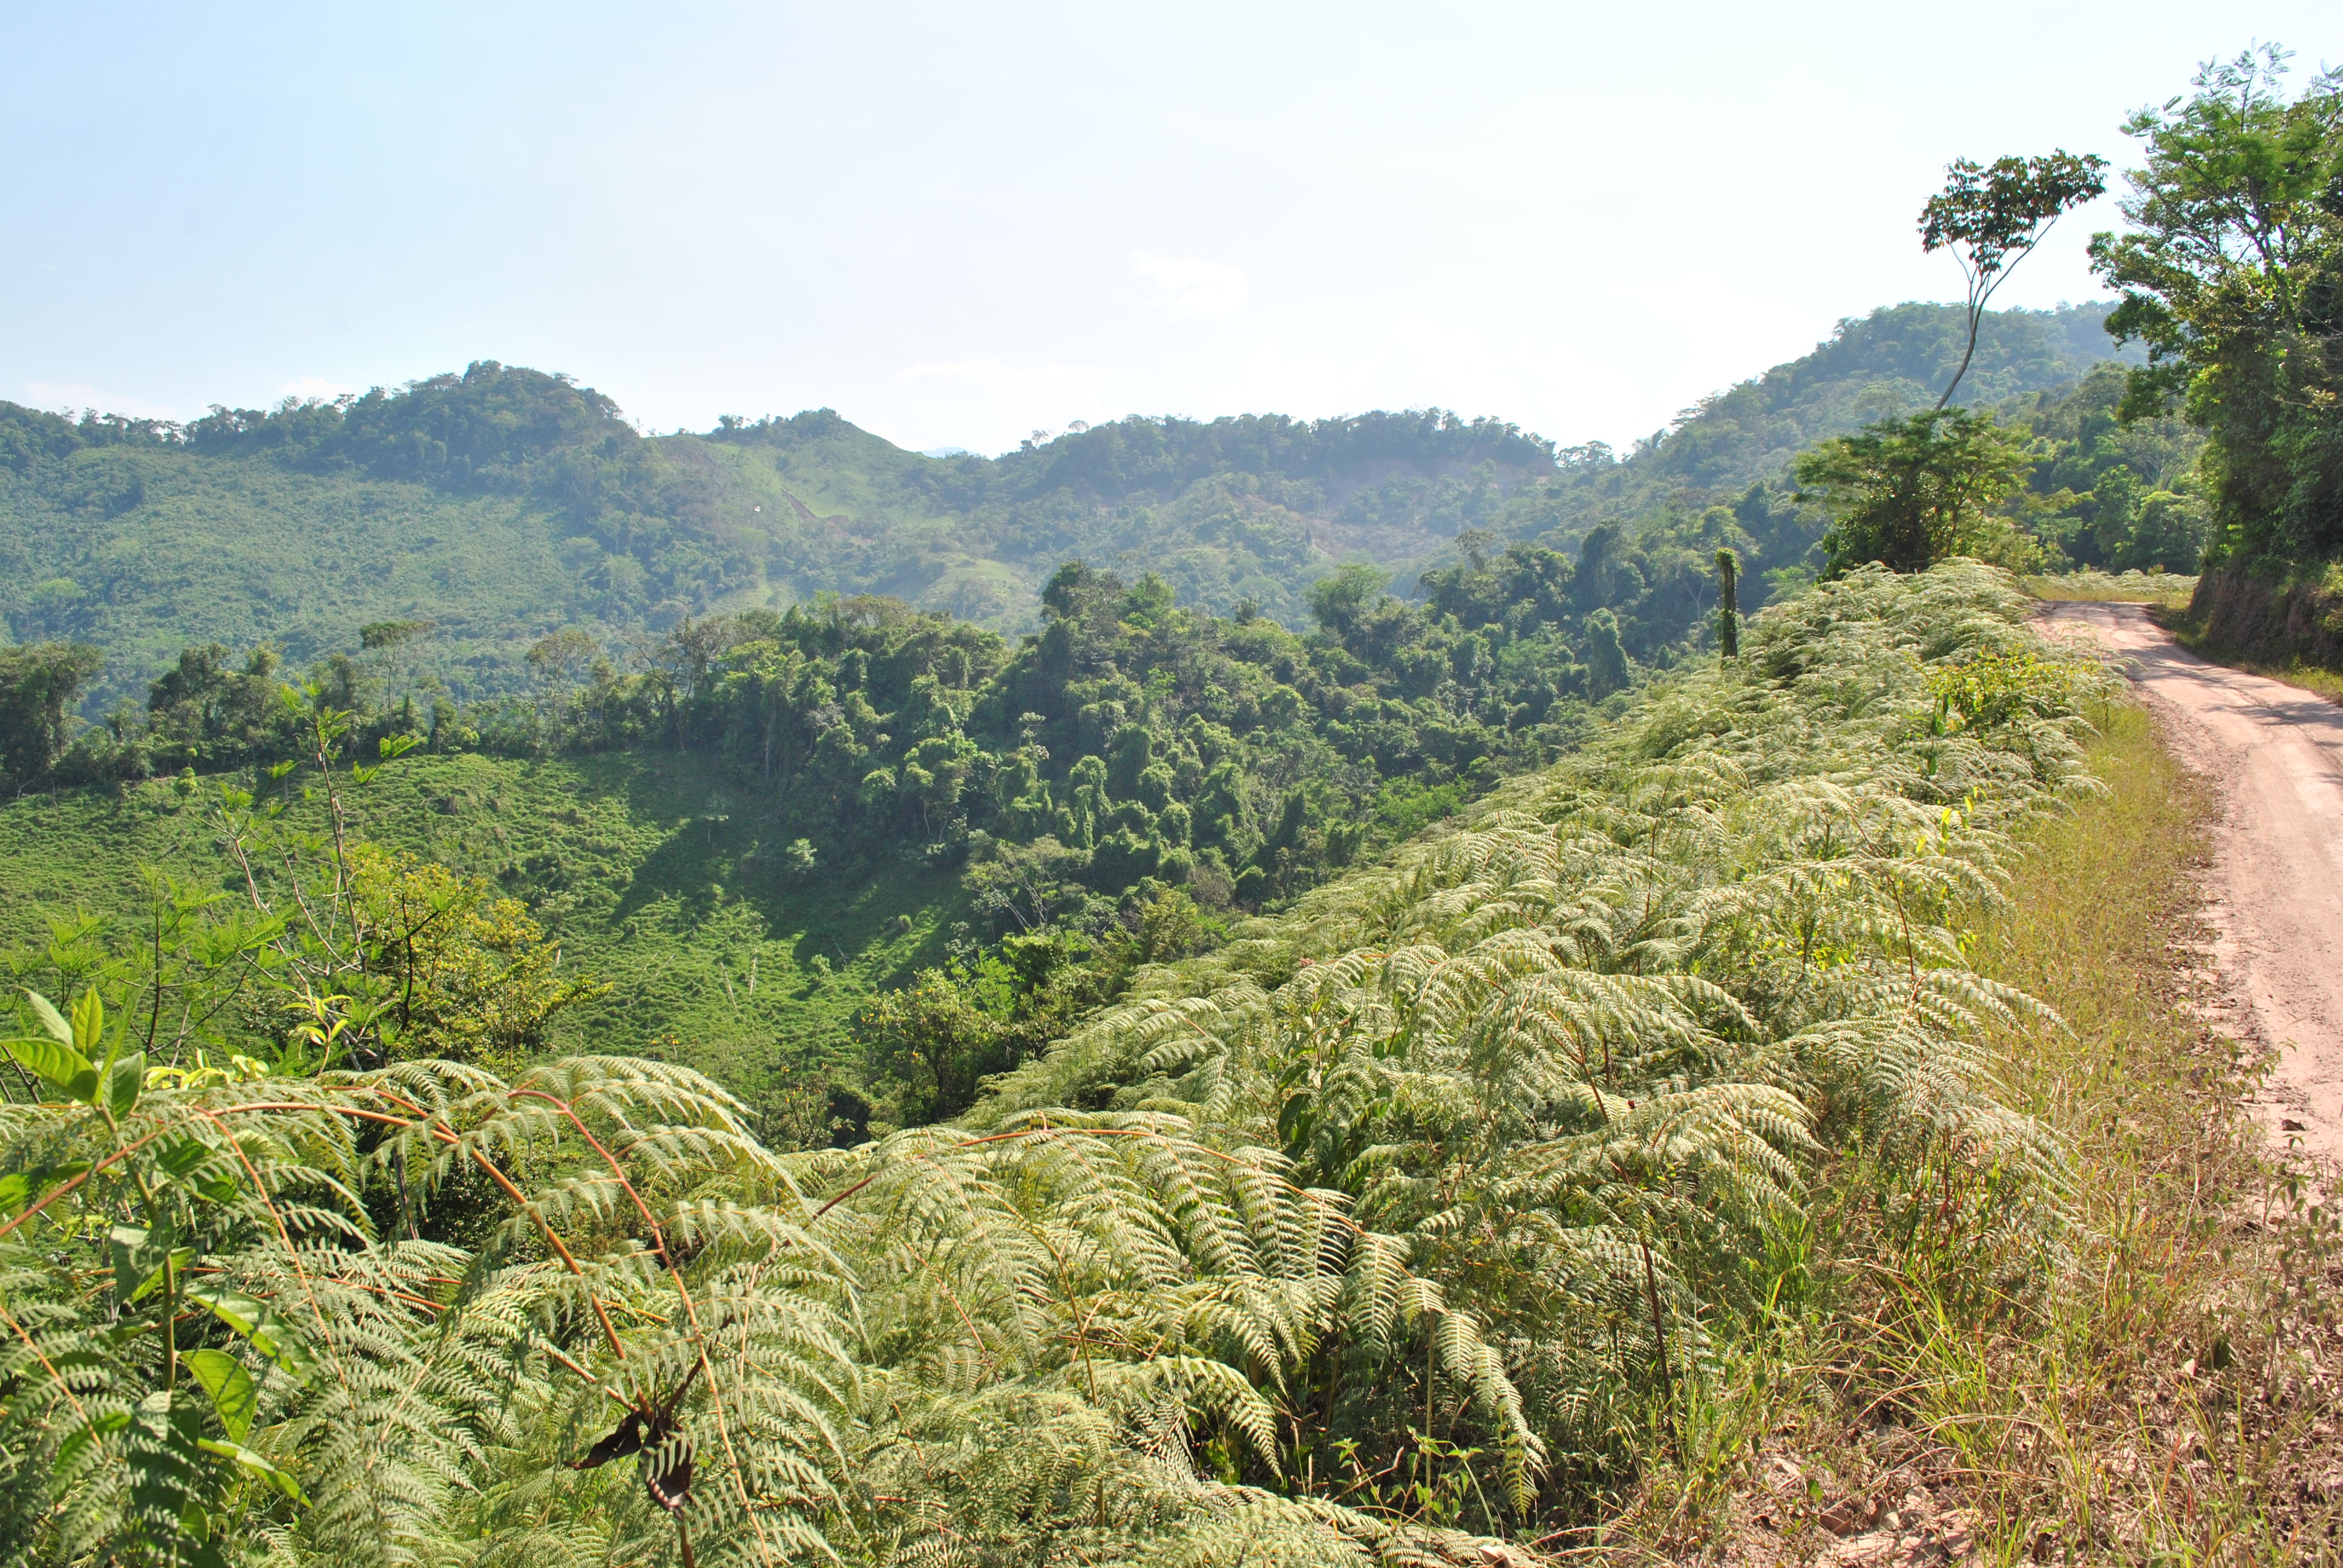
<point>2166,589</point>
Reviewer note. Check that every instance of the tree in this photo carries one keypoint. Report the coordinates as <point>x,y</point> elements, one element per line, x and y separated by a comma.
<point>1991,216</point>
<point>563,660</point>
<point>1339,599</point>
<point>383,634</point>
<point>1908,492</point>
<point>206,712</point>
<point>1608,669</point>
<point>933,1037</point>
<point>1728,603</point>
<point>463,975</point>
<point>394,645</point>
<point>2233,277</point>
<point>39,686</point>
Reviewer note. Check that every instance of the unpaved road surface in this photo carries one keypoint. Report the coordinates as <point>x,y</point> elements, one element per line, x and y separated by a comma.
<point>2275,752</point>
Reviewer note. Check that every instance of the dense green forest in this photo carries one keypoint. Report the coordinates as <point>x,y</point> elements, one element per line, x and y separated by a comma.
<point>502,505</point>
<point>2231,276</point>
<point>751,824</point>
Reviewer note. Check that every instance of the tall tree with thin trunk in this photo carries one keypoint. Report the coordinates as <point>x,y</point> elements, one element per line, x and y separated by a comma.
<point>1991,216</point>
<point>1728,603</point>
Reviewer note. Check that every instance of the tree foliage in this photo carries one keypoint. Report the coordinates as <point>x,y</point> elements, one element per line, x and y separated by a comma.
<point>1991,216</point>
<point>1907,492</point>
<point>40,686</point>
<point>2232,276</point>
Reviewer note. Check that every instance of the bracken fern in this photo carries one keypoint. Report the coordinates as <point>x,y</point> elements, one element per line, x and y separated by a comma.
<point>1414,1212</point>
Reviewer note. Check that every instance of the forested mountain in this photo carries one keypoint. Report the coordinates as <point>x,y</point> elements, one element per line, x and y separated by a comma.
<point>841,794</point>
<point>503,504</point>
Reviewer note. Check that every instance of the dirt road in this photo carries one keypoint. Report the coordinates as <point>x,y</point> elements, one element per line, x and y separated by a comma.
<point>2276,886</point>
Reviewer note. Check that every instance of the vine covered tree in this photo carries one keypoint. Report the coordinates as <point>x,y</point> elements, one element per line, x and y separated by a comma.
<point>39,686</point>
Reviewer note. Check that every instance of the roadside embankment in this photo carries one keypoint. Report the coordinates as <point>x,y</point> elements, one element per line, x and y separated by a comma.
<point>2236,613</point>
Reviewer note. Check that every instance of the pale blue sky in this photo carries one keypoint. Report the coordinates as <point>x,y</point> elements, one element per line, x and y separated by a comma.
<point>956,223</point>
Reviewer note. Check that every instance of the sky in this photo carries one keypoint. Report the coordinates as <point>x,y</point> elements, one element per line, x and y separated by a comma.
<point>962,223</point>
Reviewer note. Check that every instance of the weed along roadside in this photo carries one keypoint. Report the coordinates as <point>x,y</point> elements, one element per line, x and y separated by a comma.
<point>2168,1392</point>
<point>2177,1399</point>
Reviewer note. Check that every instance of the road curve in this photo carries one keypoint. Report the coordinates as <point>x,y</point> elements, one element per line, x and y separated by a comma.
<point>2276,887</point>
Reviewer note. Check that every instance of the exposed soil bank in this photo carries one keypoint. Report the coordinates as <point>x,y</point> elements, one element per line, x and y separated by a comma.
<point>2275,753</point>
<point>2255,618</point>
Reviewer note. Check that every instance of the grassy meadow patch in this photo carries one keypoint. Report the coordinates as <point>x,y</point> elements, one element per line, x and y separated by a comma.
<point>2167,588</point>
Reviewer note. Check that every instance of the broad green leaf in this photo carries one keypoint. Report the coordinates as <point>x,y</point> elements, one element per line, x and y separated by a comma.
<point>230,1386</point>
<point>256,1464</point>
<point>20,1189</point>
<point>89,1023</point>
<point>257,1321</point>
<point>140,1256</point>
<point>60,1066</point>
<point>51,1018</point>
<point>183,1161</point>
<point>130,1078</point>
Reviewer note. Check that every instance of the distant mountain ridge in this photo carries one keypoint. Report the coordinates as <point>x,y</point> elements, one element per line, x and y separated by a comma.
<point>502,503</point>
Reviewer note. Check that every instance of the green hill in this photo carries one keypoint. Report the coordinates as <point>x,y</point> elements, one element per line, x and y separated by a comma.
<point>642,867</point>
<point>503,504</point>
<point>751,822</point>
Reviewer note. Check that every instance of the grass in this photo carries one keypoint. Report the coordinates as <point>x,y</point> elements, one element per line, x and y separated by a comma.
<point>2163,588</point>
<point>2173,1396</point>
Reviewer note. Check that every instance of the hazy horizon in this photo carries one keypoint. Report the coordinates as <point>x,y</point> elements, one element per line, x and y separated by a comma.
<point>958,229</point>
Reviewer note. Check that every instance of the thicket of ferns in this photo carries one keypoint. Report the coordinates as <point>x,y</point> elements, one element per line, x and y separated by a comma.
<point>1422,1205</point>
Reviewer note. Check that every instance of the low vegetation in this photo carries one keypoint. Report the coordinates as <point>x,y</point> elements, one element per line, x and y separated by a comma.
<point>2168,590</point>
<point>1440,1208</point>
<point>2171,1395</point>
